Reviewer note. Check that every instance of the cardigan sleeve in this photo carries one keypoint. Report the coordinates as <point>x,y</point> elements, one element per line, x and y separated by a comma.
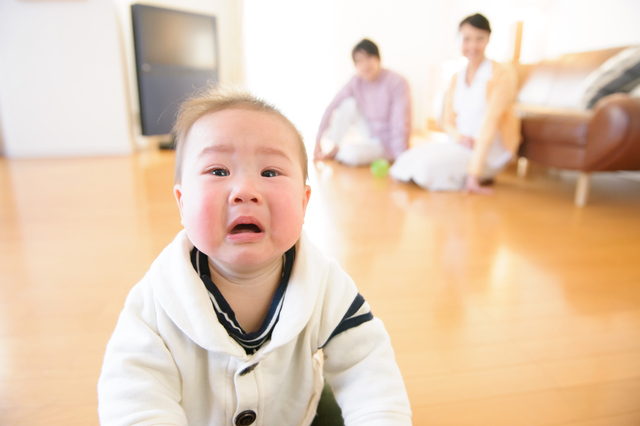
<point>140,383</point>
<point>360,366</point>
<point>359,361</point>
<point>501,94</point>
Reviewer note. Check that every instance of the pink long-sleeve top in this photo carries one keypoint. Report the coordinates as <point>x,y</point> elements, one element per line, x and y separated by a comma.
<point>385,104</point>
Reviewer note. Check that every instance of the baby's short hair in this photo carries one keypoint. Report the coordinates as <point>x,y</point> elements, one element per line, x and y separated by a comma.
<point>214,98</point>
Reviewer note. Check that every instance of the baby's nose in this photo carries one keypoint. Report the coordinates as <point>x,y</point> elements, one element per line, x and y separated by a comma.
<point>240,199</point>
<point>244,192</point>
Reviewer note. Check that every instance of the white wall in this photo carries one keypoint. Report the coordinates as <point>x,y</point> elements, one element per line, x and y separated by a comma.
<point>578,25</point>
<point>61,79</point>
<point>288,57</point>
<point>297,54</point>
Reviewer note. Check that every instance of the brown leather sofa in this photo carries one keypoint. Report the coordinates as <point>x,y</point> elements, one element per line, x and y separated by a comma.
<point>557,133</point>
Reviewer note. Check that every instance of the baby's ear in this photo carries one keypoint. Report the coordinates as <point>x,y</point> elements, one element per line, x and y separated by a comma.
<point>177,192</point>
<point>305,198</point>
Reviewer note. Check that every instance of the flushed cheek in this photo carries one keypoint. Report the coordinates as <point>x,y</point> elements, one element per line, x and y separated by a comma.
<point>204,223</point>
<point>287,218</point>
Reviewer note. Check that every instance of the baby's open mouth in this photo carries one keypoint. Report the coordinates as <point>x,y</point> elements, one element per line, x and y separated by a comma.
<point>245,227</point>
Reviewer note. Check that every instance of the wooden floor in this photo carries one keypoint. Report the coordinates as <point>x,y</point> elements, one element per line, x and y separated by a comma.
<point>514,309</point>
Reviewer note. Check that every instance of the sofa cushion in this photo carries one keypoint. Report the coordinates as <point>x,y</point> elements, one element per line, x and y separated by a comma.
<point>620,73</point>
<point>560,82</point>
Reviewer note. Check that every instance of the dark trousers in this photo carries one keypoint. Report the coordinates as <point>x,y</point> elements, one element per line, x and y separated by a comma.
<point>329,413</point>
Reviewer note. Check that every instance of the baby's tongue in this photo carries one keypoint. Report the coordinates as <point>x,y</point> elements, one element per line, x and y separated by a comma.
<point>243,228</point>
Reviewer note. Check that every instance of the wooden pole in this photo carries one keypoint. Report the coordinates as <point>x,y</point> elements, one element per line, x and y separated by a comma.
<point>515,41</point>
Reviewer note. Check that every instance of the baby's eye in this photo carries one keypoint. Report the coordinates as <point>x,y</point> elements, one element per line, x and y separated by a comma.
<point>269,173</point>
<point>219,172</point>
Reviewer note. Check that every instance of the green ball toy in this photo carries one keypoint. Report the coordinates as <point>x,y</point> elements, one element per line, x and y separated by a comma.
<point>380,168</point>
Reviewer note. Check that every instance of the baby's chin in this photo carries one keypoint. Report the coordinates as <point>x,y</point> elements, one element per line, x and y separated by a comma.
<point>246,261</point>
<point>249,256</point>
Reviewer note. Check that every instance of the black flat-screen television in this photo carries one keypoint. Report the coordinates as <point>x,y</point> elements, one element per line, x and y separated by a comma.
<point>176,54</point>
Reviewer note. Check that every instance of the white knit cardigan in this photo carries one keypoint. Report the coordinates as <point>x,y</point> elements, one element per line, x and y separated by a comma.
<point>171,362</point>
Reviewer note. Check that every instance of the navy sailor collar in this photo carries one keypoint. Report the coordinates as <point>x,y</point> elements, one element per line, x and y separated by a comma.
<point>250,342</point>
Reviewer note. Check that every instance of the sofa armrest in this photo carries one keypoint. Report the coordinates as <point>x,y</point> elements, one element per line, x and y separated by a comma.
<point>613,138</point>
<point>554,137</point>
<point>554,125</point>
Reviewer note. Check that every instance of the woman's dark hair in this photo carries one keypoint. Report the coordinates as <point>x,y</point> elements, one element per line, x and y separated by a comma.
<point>478,21</point>
<point>366,46</point>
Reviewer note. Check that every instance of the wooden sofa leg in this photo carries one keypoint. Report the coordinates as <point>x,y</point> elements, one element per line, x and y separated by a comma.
<point>582,189</point>
<point>523,164</point>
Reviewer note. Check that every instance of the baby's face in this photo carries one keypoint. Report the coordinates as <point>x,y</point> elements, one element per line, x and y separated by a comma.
<point>242,196</point>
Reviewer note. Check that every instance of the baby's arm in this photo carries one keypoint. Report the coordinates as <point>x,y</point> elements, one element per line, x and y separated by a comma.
<point>360,365</point>
<point>140,383</point>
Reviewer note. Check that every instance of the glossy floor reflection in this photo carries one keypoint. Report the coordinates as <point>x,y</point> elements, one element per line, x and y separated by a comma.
<point>514,309</point>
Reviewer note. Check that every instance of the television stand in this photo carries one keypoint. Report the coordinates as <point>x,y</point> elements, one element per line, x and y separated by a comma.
<point>168,145</point>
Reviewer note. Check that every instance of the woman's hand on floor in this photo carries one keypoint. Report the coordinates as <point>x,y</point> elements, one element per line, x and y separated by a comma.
<point>472,185</point>
<point>467,141</point>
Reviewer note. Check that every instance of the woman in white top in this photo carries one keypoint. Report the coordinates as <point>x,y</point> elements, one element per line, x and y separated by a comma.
<point>479,117</point>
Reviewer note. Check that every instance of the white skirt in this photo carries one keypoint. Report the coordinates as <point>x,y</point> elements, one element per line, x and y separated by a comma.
<point>435,166</point>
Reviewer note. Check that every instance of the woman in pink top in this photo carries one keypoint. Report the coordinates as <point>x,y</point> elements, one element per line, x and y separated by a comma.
<point>479,117</point>
<point>370,117</point>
